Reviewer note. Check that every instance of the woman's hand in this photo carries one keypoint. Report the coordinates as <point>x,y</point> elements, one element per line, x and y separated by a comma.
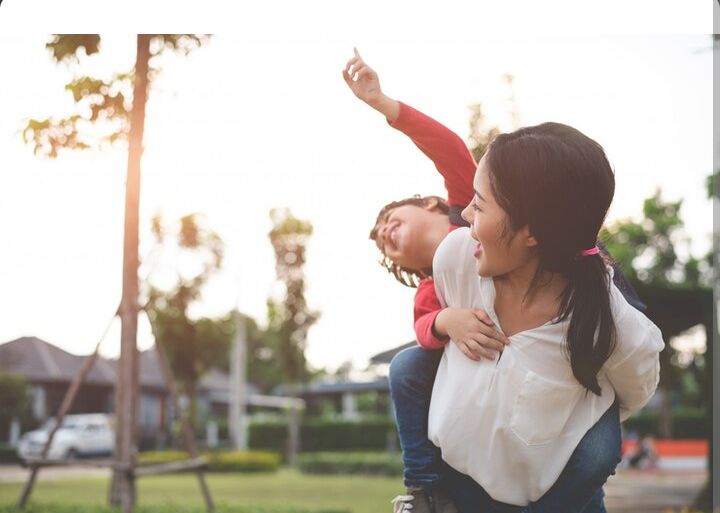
<point>365,84</point>
<point>472,331</point>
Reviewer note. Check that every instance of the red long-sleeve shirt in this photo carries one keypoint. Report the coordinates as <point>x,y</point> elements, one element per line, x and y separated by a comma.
<point>456,164</point>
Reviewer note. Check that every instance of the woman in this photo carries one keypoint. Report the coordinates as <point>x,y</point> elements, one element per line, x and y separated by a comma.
<point>541,195</point>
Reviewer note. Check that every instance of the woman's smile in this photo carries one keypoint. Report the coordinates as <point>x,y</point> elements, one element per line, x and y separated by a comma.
<point>478,250</point>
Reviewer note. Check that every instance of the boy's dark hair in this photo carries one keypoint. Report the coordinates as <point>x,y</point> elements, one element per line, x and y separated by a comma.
<point>406,276</point>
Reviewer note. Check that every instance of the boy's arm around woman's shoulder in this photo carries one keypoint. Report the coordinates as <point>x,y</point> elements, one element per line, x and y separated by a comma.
<point>425,309</point>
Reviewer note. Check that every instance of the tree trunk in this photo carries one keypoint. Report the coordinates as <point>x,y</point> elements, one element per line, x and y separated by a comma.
<point>122,491</point>
<point>706,499</point>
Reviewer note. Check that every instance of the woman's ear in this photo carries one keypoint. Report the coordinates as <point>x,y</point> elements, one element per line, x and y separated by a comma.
<point>530,241</point>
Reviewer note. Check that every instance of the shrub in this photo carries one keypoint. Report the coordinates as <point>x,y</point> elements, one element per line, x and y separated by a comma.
<point>147,457</point>
<point>221,461</point>
<point>368,463</point>
<point>325,435</point>
<point>686,424</point>
<point>8,454</point>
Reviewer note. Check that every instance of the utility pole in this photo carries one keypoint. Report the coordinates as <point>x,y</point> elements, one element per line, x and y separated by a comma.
<point>238,384</point>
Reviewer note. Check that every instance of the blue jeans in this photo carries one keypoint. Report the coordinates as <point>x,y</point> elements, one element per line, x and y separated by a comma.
<point>577,490</point>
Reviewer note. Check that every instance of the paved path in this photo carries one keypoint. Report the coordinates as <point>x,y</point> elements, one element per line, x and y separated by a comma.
<point>652,492</point>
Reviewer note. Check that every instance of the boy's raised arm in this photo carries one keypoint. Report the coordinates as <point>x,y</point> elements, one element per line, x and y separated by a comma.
<point>443,146</point>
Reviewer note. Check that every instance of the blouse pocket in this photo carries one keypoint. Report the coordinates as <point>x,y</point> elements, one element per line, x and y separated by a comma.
<point>542,408</point>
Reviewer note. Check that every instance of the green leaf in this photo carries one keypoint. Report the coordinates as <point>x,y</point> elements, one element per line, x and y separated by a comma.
<point>67,47</point>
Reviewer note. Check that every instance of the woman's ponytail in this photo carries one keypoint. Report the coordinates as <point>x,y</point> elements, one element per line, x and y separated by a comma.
<point>591,334</point>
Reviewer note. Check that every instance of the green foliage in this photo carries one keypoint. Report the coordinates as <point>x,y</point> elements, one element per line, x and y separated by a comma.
<point>50,135</point>
<point>192,346</point>
<point>103,104</point>
<point>152,457</point>
<point>687,424</point>
<point>646,250</point>
<point>8,454</point>
<point>481,133</point>
<point>13,396</point>
<point>365,463</point>
<point>712,185</point>
<point>290,319</point>
<point>67,47</point>
<point>324,434</point>
<point>221,461</point>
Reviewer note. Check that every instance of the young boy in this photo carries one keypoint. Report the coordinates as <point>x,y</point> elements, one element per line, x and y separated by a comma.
<point>408,232</point>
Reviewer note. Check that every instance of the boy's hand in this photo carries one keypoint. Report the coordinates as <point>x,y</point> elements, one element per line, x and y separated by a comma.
<point>472,331</point>
<point>365,84</point>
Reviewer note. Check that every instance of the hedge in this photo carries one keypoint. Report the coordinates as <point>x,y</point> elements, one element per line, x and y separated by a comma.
<point>686,424</point>
<point>324,435</point>
<point>368,463</point>
<point>221,461</point>
<point>8,454</point>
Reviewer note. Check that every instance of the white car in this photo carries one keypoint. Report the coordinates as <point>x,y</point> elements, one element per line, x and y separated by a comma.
<point>78,436</point>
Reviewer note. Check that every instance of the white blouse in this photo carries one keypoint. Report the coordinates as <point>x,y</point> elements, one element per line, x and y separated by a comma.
<point>513,423</point>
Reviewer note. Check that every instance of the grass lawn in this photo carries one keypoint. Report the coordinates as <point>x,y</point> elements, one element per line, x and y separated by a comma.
<point>287,488</point>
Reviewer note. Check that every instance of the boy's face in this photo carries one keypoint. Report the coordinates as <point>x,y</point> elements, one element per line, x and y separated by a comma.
<point>409,234</point>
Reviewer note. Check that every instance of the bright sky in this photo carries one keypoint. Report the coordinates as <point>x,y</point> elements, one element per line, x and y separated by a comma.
<point>249,123</point>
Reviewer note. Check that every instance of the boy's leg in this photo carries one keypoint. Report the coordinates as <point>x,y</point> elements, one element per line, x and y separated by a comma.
<point>597,503</point>
<point>412,374</point>
<point>579,487</point>
<point>466,493</point>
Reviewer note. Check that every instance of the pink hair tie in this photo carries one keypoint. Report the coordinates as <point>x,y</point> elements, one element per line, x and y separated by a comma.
<point>589,252</point>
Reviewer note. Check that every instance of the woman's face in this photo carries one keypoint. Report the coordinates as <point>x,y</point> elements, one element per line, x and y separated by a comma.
<point>496,255</point>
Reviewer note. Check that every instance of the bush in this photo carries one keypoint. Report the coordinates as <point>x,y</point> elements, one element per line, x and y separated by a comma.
<point>8,454</point>
<point>368,463</point>
<point>324,435</point>
<point>686,424</point>
<point>221,461</point>
<point>148,457</point>
<point>14,403</point>
<point>170,508</point>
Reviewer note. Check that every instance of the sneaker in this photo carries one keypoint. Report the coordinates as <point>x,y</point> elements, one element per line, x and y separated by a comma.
<point>420,500</point>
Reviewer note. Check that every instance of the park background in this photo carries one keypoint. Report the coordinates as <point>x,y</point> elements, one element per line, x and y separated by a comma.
<point>244,125</point>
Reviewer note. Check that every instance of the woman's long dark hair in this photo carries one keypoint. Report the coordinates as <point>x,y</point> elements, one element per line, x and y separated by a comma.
<point>559,183</point>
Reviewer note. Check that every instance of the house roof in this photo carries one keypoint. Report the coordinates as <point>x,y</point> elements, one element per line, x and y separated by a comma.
<point>333,387</point>
<point>387,356</point>
<point>41,361</point>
